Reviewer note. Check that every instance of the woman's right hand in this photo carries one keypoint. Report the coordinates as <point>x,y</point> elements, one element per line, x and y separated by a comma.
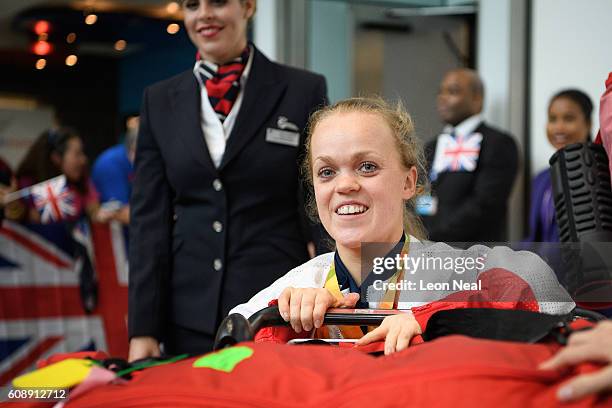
<point>306,307</point>
<point>143,347</point>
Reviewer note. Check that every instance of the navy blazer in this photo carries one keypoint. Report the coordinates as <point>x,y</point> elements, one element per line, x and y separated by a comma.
<point>204,239</point>
<point>473,206</point>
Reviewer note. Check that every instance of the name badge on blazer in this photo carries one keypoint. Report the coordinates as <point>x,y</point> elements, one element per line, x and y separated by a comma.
<point>284,137</point>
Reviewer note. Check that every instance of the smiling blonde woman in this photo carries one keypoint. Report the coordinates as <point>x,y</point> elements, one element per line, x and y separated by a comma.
<point>365,166</point>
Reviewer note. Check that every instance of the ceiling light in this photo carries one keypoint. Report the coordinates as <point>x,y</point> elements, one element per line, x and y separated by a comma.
<point>70,38</point>
<point>120,45</point>
<point>42,48</point>
<point>71,60</point>
<point>173,28</point>
<point>41,26</point>
<point>173,7</point>
<point>91,19</point>
<point>41,64</point>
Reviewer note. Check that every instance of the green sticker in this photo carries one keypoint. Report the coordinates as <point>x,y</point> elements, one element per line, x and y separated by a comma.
<point>224,360</point>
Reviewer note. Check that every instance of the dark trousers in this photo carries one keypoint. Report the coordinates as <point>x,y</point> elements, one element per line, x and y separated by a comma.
<point>181,340</point>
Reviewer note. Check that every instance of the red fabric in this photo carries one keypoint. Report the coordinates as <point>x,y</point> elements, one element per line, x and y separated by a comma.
<point>28,404</point>
<point>605,119</point>
<point>453,371</point>
<point>218,86</point>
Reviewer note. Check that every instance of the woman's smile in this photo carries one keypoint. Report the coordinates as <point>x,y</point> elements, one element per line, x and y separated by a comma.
<point>209,31</point>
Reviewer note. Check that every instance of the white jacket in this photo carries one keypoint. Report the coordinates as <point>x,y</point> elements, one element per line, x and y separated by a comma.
<point>550,295</point>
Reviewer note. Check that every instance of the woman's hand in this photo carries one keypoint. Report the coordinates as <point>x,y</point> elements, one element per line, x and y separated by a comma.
<point>6,190</point>
<point>103,216</point>
<point>593,345</point>
<point>143,347</point>
<point>13,210</point>
<point>306,307</point>
<point>397,330</point>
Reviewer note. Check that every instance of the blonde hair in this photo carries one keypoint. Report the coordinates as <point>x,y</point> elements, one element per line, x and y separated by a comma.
<point>408,145</point>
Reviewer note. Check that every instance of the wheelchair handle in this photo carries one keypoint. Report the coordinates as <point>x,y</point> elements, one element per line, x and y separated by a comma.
<point>235,328</point>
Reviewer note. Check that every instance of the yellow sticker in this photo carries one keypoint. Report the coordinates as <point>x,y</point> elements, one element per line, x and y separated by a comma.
<point>61,375</point>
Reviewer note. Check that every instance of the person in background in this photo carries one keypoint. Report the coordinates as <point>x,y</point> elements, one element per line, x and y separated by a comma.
<point>6,181</point>
<point>472,167</point>
<point>569,121</point>
<point>215,206</point>
<point>113,171</point>
<point>592,345</point>
<point>57,151</point>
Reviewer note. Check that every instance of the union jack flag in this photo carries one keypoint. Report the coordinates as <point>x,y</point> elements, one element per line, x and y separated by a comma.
<point>458,153</point>
<point>54,200</point>
<point>41,311</point>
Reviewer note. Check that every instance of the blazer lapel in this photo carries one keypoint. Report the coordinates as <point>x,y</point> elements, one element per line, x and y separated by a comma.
<point>261,96</point>
<point>186,109</point>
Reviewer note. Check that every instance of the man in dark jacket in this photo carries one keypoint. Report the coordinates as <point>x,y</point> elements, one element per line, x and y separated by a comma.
<point>472,167</point>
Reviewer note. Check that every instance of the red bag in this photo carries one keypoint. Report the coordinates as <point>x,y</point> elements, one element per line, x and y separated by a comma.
<point>451,371</point>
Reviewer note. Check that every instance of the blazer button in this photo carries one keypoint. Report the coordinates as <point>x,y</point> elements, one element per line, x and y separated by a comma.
<point>217,264</point>
<point>217,226</point>
<point>217,185</point>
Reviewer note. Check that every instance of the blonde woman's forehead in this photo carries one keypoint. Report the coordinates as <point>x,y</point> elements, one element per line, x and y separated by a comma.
<point>352,128</point>
<point>350,137</point>
<point>354,121</point>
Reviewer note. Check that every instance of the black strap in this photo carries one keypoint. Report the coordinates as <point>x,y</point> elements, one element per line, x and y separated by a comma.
<point>497,324</point>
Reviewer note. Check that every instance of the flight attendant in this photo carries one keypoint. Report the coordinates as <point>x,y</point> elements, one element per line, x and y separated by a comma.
<point>216,203</point>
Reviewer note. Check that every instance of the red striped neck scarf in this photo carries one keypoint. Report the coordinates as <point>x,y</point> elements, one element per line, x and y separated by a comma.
<point>222,81</point>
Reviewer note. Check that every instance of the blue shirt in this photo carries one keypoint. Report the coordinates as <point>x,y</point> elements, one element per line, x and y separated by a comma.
<point>112,175</point>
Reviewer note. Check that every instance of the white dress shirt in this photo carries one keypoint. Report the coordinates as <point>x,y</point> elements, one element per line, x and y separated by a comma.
<point>465,128</point>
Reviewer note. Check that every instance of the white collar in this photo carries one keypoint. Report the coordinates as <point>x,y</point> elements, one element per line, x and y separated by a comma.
<point>466,127</point>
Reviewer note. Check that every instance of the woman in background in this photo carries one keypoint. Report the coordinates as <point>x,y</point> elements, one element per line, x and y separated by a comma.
<point>56,152</point>
<point>569,121</point>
